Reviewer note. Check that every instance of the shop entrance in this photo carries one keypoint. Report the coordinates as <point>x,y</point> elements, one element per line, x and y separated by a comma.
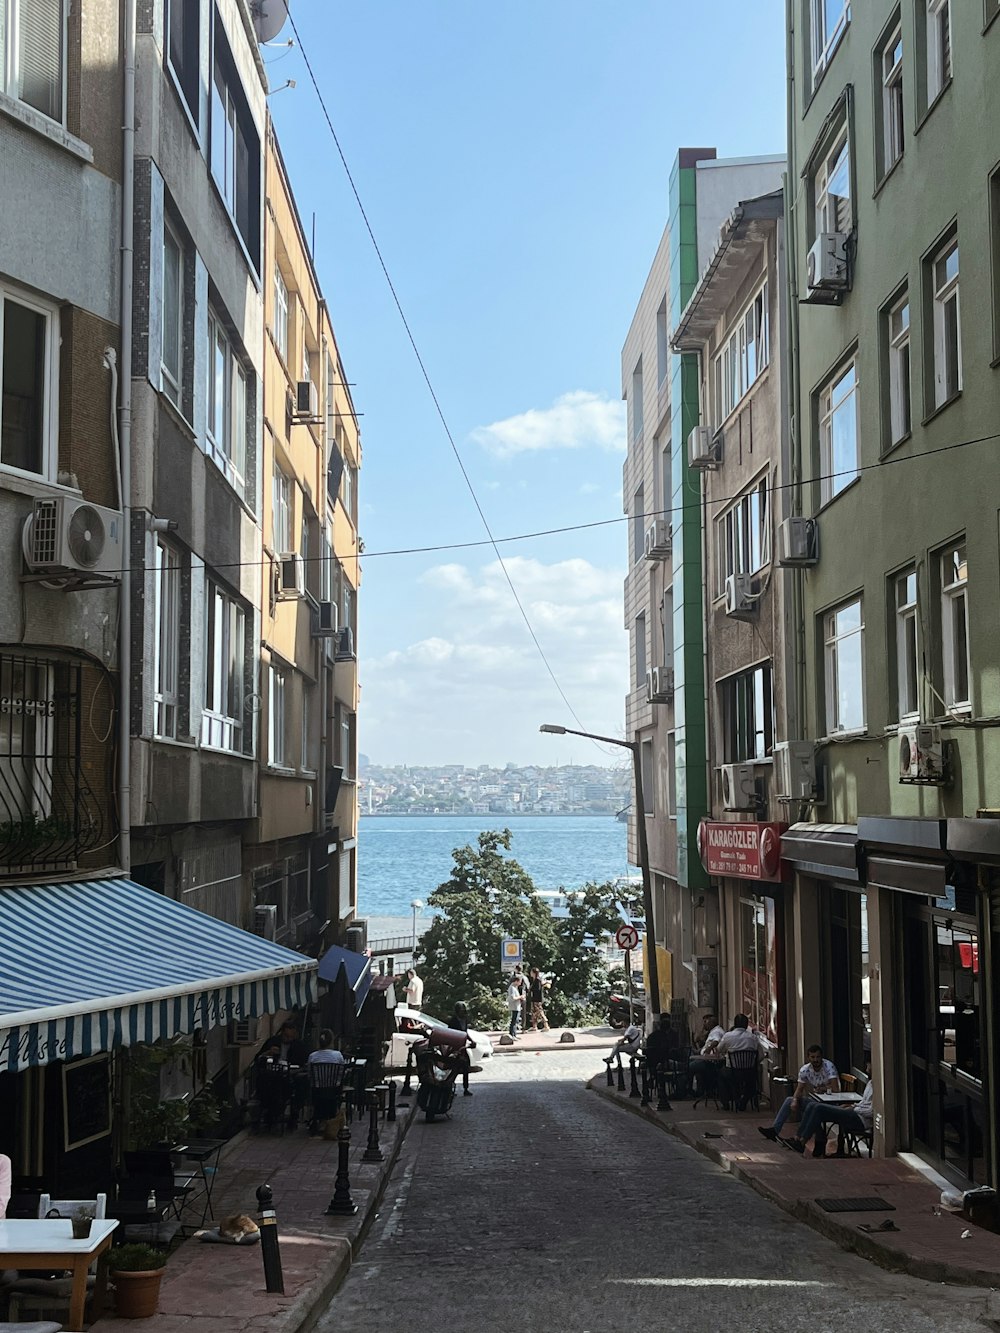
<point>944,1009</point>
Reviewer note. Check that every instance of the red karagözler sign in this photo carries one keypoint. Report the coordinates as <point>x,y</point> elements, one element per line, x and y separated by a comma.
<point>741,851</point>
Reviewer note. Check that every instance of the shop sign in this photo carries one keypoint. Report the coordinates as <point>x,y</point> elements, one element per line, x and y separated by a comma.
<point>741,851</point>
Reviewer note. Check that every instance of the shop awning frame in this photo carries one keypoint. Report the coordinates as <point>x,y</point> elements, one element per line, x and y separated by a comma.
<point>825,851</point>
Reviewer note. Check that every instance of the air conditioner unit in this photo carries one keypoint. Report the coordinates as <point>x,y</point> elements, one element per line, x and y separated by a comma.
<point>741,602</point>
<point>921,755</point>
<point>356,936</point>
<point>826,263</point>
<point>798,541</point>
<point>290,576</point>
<point>324,621</point>
<point>739,787</point>
<point>306,399</point>
<point>649,687</point>
<point>656,544</point>
<point>69,535</point>
<point>345,644</point>
<point>663,684</point>
<point>265,921</point>
<point>794,771</point>
<point>704,449</point>
<point>243,1032</point>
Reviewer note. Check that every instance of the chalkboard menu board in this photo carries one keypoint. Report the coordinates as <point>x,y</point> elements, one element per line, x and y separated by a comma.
<point>86,1100</point>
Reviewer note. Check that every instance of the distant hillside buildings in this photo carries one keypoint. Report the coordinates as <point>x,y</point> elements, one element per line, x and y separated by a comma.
<point>454,789</point>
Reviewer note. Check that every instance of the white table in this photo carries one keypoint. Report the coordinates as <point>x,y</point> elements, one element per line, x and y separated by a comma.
<point>48,1243</point>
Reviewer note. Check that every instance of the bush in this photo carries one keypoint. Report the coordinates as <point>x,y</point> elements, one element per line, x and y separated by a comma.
<point>136,1258</point>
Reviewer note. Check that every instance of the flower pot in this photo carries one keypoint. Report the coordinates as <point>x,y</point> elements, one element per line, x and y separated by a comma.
<point>137,1295</point>
<point>81,1227</point>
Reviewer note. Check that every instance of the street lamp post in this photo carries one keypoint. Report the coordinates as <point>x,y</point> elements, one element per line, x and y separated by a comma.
<point>647,883</point>
<point>417,906</point>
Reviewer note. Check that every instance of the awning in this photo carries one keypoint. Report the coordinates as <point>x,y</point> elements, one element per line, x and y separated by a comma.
<point>827,851</point>
<point>94,964</point>
<point>357,969</point>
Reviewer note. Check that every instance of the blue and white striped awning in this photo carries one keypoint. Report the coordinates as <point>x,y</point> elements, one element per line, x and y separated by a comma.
<point>95,964</point>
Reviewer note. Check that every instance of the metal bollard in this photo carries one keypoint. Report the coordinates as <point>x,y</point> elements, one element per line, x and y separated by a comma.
<point>633,1081</point>
<point>611,1075</point>
<point>269,1248</point>
<point>662,1103</point>
<point>342,1204</point>
<point>621,1075</point>
<point>372,1153</point>
<point>407,1089</point>
<point>644,1078</point>
<point>391,1113</point>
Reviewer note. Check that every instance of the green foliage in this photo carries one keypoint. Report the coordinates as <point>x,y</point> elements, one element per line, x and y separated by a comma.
<point>136,1258</point>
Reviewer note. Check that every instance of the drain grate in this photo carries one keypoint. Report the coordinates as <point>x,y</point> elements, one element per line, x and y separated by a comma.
<point>869,1204</point>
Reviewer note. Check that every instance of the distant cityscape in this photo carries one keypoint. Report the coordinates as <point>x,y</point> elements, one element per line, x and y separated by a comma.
<point>572,789</point>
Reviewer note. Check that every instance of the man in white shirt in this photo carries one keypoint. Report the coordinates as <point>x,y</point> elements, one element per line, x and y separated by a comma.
<point>816,1075</point>
<point>630,1042</point>
<point>712,1033</point>
<point>817,1115</point>
<point>414,989</point>
<point>327,1054</point>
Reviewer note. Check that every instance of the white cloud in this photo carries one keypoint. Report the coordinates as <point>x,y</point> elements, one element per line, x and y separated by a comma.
<point>577,420</point>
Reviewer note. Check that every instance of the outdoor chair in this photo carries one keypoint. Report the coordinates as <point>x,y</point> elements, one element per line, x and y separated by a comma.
<point>709,1092</point>
<point>151,1171</point>
<point>273,1088</point>
<point>40,1295</point>
<point>741,1080</point>
<point>326,1087</point>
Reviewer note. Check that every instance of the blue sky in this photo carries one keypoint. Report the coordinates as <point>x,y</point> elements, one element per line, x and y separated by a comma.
<point>513,160</point>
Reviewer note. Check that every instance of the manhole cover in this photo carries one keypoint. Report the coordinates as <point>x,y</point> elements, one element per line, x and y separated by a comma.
<point>871,1204</point>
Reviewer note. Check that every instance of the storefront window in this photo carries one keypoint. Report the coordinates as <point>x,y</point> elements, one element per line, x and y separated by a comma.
<point>958,998</point>
<point>760,964</point>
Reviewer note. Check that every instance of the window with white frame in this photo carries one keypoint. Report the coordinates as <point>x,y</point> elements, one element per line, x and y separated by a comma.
<point>747,715</point>
<point>227,406</point>
<point>838,432</point>
<point>662,343</point>
<point>667,626</point>
<point>898,331</point>
<point>172,351</point>
<point>235,147</point>
<point>744,356</point>
<point>947,323</point>
<point>636,404</point>
<point>183,49</point>
<point>281,512</point>
<point>33,54</point>
<point>638,524</point>
<point>167,619</point>
<point>829,20</point>
<point>907,660</point>
<point>955,625</point>
<point>844,635</point>
<point>938,47</point>
<point>672,774</point>
<point>832,186</point>
<point>305,760</point>
<point>640,650</point>
<point>349,489</point>
<point>276,714</point>
<point>226,685</point>
<point>891,59</point>
<point>29,356</point>
<point>280,329</point>
<point>346,748</point>
<point>743,535</point>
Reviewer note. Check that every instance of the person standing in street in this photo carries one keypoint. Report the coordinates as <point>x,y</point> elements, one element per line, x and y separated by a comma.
<point>414,989</point>
<point>459,1021</point>
<point>514,1001</point>
<point>536,997</point>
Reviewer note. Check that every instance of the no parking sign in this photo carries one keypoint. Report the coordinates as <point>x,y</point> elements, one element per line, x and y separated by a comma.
<point>627,937</point>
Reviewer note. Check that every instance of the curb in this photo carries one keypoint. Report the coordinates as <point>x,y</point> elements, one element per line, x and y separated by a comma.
<point>867,1246</point>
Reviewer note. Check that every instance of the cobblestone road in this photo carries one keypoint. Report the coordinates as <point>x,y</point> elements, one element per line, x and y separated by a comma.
<point>539,1206</point>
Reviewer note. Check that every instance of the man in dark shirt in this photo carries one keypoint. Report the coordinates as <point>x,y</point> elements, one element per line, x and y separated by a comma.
<point>659,1048</point>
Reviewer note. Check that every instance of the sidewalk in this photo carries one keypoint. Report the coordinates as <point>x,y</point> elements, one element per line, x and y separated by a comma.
<point>929,1242</point>
<point>583,1039</point>
<point>221,1287</point>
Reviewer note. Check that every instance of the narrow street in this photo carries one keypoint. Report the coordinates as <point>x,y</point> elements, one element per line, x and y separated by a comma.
<point>540,1207</point>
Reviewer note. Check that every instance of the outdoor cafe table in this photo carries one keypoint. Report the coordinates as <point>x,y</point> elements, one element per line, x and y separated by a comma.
<point>47,1243</point>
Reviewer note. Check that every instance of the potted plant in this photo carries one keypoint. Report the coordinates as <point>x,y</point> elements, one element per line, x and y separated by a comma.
<point>137,1271</point>
<point>81,1221</point>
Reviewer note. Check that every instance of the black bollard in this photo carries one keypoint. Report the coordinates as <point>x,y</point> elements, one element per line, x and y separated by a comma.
<point>342,1205</point>
<point>633,1082</point>
<point>662,1104</point>
<point>372,1153</point>
<point>407,1089</point>
<point>611,1075</point>
<point>391,1114</point>
<point>621,1075</point>
<point>645,1084</point>
<point>269,1248</point>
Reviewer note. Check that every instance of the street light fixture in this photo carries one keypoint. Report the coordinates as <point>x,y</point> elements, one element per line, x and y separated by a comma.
<point>553,729</point>
<point>417,906</point>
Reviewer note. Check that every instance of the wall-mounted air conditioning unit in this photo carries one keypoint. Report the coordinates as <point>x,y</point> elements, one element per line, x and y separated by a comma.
<point>826,266</point>
<point>921,755</point>
<point>242,1032</point>
<point>741,601</point>
<point>656,544</point>
<point>324,621</point>
<point>290,577</point>
<point>798,541</point>
<point>306,399</point>
<point>739,787</point>
<point>265,921</point>
<point>704,448</point>
<point>794,771</point>
<point>356,935</point>
<point>68,535</point>
<point>649,687</point>
<point>345,644</point>
<point>663,684</point>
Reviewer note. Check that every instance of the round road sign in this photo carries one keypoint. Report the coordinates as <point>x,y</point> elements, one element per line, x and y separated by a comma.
<point>627,937</point>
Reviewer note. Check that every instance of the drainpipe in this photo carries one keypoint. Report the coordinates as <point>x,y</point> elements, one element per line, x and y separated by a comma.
<point>125,446</point>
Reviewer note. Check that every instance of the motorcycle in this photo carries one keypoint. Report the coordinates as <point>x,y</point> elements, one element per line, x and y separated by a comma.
<point>618,1016</point>
<point>440,1058</point>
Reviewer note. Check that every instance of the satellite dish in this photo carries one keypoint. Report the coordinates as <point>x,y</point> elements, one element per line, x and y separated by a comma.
<point>269,17</point>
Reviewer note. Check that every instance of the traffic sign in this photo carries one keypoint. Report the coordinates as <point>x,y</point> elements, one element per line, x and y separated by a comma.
<point>511,954</point>
<point>627,937</point>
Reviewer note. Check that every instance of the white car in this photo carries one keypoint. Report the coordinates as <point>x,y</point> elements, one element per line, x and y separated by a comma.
<point>412,1026</point>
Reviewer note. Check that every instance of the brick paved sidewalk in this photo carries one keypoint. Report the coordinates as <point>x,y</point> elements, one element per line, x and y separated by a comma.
<point>220,1288</point>
<point>929,1242</point>
<point>583,1039</point>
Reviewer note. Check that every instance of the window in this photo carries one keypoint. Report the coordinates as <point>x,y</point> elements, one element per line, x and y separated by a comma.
<point>743,535</point>
<point>32,45</point>
<point>349,490</point>
<point>747,715</point>
<point>638,524</point>
<point>183,41</point>
<point>280,314</point>
<point>227,406</point>
<point>666,483</point>
<point>947,324</point>
<point>32,773</point>
<point>225,672</point>
<point>829,23</point>
<point>662,345</point>
<point>345,750</point>
<point>646,801</point>
<point>907,671</point>
<point>281,512</point>
<point>306,757</point>
<point>640,651</point>
<point>637,402</point>
<point>29,343</point>
<point>832,187</point>
<point>167,614</point>
<point>672,774</point>
<point>899,369</point>
<point>938,47</point>
<point>838,432</point>
<point>955,625</point>
<point>172,353</point>
<point>891,61</point>
<point>276,719</point>
<point>235,147</point>
<point>844,634</point>
<point>744,356</point>
<point>667,622</point>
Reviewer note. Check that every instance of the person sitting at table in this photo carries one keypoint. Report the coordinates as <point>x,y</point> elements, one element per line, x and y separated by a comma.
<point>816,1075</point>
<point>817,1115</point>
<point>327,1054</point>
<point>706,1060</point>
<point>660,1047</point>
<point>740,1037</point>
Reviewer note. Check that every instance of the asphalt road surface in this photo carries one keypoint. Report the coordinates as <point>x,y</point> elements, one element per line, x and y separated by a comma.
<point>539,1206</point>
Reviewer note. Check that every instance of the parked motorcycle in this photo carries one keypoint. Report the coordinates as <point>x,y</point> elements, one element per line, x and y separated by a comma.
<point>618,1015</point>
<point>440,1058</point>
